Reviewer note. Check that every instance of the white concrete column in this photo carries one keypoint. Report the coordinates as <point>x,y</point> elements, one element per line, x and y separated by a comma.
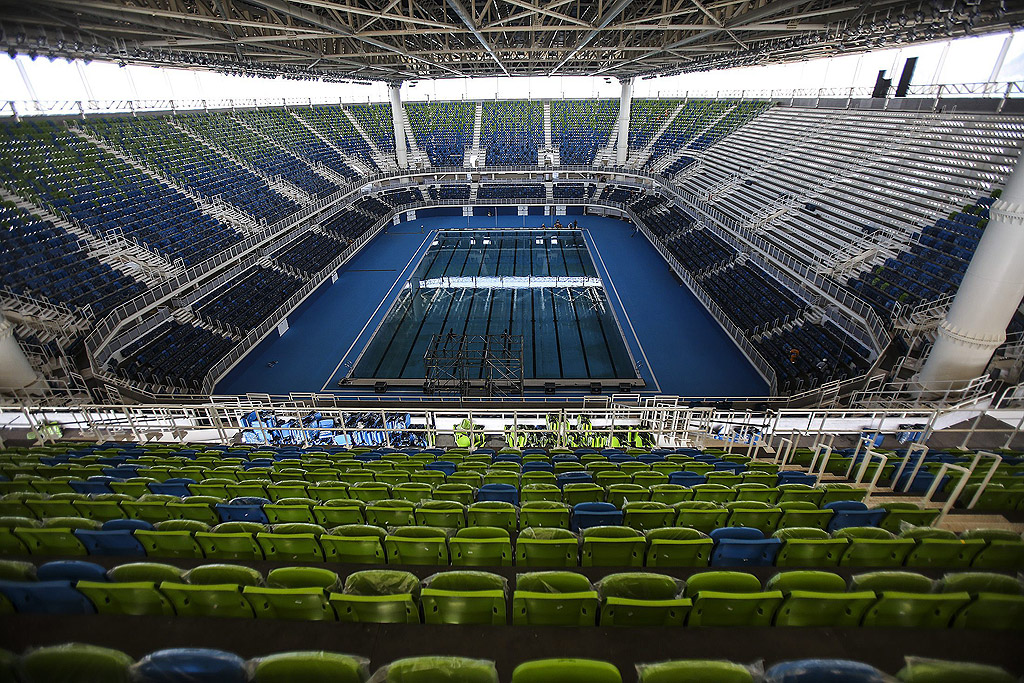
<point>989,295</point>
<point>15,371</point>
<point>394,90</point>
<point>625,100</point>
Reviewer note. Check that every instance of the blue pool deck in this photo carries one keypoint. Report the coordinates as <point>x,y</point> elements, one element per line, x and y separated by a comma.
<point>680,348</point>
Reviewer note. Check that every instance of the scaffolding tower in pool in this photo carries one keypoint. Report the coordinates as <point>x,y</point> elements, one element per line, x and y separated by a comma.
<point>474,364</point>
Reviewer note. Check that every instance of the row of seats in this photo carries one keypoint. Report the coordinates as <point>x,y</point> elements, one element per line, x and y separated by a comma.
<point>48,165</point>
<point>513,130</point>
<point>803,598</point>
<point>444,192</point>
<point>175,155</point>
<point>284,129</point>
<point>81,663</point>
<point>581,127</point>
<point>375,120</point>
<point>331,123</point>
<point>44,261</point>
<point>245,303</point>
<point>310,254</point>
<point>573,190</point>
<point>497,191</point>
<point>439,532</point>
<point>754,300</point>
<point>173,355</point>
<point>690,121</point>
<point>442,130</point>
<point>824,352</point>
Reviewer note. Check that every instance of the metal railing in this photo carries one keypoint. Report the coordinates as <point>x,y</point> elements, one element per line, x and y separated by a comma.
<point>17,108</point>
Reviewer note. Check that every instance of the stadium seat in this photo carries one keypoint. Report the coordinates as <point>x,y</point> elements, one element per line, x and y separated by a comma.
<point>814,598</point>
<point>852,513</point>
<point>145,571</point>
<point>493,513</point>
<point>457,493</point>
<point>900,513</point>
<point>46,597</point>
<point>231,541</point>
<point>898,607</point>
<point>796,513</point>
<point>306,603</point>
<point>355,543</point>
<point>190,665</point>
<point>642,599</point>
<point>172,538</point>
<point>464,597</point>
<point>922,670</point>
<point>754,514</point>
<point>736,546</point>
<point>725,598</point>
<point>547,547</point>
<point>481,546</point>
<point>293,542</point>
<point>701,515</point>
<point>207,599</point>
<point>310,667</point>
<point>417,545</point>
<point>591,514</point>
<point>1004,549</point>
<point>441,513</point>
<point>873,547</point>
<point>612,546</point>
<point>543,513</point>
<point>75,663</point>
<point>808,547</point>
<point>646,515</point>
<point>566,671</point>
<point>428,669</point>
<point>997,601</point>
<point>126,597</point>
<point>940,548</point>
<point>554,599</point>
<point>824,671</point>
<point>70,570</point>
<point>678,547</point>
<point>541,491</point>
<point>694,671</point>
<point>380,596</point>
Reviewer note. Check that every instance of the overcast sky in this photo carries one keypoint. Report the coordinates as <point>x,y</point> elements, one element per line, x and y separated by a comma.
<point>968,60</point>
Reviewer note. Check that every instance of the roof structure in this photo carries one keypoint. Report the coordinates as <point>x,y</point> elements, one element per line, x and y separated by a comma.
<point>396,40</point>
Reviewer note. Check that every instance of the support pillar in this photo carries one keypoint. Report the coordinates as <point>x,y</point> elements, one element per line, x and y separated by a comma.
<point>16,373</point>
<point>989,295</point>
<point>394,90</point>
<point>625,100</point>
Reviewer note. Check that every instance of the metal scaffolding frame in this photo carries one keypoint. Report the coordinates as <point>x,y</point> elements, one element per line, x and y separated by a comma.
<point>474,364</point>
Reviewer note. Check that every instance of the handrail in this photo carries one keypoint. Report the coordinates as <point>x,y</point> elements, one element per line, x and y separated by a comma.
<point>873,484</point>
<point>997,460</point>
<point>914,448</point>
<point>965,474</point>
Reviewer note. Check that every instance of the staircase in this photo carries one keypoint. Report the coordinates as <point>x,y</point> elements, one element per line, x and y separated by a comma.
<point>605,156</point>
<point>57,319</point>
<point>417,157</point>
<point>638,159</point>
<point>475,151</point>
<point>385,162</point>
<point>548,154</point>
<point>357,165</point>
<point>275,182</point>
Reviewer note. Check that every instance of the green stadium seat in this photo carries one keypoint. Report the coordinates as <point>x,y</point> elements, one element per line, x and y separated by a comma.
<point>755,515</point>
<point>231,541</point>
<point>940,548</point>
<point>301,604</point>
<point>796,513</point>
<point>694,671</point>
<point>678,547</point>
<point>642,599</point>
<point>670,494</point>
<point>415,492</point>
<point>436,669</point>
<point>56,536</point>
<point>904,601</point>
<point>310,667</point>
<point>10,544</point>
<point>547,547</point>
<point>172,538</point>
<point>493,513</point>
<point>355,543</point>
<point>645,515</point>
<point>921,670</point>
<point>153,572</point>
<point>464,597</point>
<point>380,596</point>
<point>756,492</point>
<point>417,545</point>
<point>554,599</point>
<point>620,495</point>
<point>566,671</point>
<point>713,493</point>
<point>613,546</point>
<point>544,513</point>
<point>997,601</point>
<point>75,663</point>
<point>873,547</point>
<point>303,577</point>
<point>391,512</point>
<point>456,493</point>
<point>582,492</point>
<point>814,598</point>
<point>287,510</point>
<point>441,513</point>
<point>207,600</point>
<point>701,515</point>
<point>126,597</point>
<point>839,491</point>
<point>338,511</point>
<point>803,493</point>
<point>726,598</point>
<point>808,547</point>
<point>294,542</point>
<point>481,546</point>
<point>909,513</point>
<point>541,491</point>
<point>1004,549</point>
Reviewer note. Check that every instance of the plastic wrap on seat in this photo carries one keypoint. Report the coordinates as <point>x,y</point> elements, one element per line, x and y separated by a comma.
<point>437,670</point>
<point>699,671</point>
<point>825,671</point>
<point>924,670</point>
<point>309,667</point>
<point>190,665</point>
<point>75,663</point>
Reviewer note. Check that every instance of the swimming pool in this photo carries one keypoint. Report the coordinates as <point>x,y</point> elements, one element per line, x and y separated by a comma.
<point>541,284</point>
